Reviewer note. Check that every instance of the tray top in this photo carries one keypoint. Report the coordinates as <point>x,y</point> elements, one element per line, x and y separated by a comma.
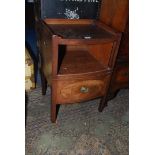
<point>77,31</point>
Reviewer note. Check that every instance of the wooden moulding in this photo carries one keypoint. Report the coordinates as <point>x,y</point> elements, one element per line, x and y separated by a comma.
<point>68,21</point>
<point>84,41</point>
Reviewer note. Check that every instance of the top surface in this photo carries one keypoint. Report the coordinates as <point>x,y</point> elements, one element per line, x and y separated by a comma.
<point>77,31</point>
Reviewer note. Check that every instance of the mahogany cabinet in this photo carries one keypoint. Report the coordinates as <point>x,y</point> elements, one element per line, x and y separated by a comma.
<point>78,57</point>
<point>115,13</point>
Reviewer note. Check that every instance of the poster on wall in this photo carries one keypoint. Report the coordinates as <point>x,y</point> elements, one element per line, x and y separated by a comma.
<point>70,9</point>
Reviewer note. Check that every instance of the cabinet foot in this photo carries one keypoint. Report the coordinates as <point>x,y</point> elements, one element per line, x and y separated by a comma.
<point>103,104</point>
<point>43,83</point>
<point>53,112</point>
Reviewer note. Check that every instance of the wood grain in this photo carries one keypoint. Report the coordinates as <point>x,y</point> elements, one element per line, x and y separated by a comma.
<point>68,21</point>
<point>70,91</point>
<point>115,13</point>
<point>77,62</point>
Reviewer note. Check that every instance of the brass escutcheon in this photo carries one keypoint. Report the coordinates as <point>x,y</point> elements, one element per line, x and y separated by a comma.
<point>84,89</point>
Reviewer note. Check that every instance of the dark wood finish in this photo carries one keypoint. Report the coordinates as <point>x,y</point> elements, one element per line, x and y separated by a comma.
<point>77,62</point>
<point>103,103</point>
<point>104,99</point>
<point>78,90</point>
<point>120,78</point>
<point>78,31</point>
<point>123,54</point>
<point>43,82</point>
<point>80,57</point>
<point>114,13</point>
<point>42,76</point>
<point>50,21</point>
<point>76,68</point>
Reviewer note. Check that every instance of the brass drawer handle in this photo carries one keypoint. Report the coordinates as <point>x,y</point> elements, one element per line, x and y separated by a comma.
<point>84,89</point>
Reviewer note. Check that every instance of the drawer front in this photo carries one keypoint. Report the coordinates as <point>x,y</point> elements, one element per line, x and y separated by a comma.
<point>80,90</point>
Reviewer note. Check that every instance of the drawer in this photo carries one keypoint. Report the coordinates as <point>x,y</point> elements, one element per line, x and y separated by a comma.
<point>80,90</point>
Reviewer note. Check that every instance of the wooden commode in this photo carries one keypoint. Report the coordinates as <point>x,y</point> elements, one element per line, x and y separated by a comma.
<point>77,59</point>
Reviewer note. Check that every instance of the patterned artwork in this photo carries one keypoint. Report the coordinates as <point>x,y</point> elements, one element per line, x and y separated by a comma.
<point>72,14</point>
<point>70,9</point>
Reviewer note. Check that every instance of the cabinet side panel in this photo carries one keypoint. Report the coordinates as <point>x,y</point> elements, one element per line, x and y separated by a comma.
<point>46,54</point>
<point>115,13</point>
<point>124,45</point>
<point>120,78</point>
<point>101,52</point>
